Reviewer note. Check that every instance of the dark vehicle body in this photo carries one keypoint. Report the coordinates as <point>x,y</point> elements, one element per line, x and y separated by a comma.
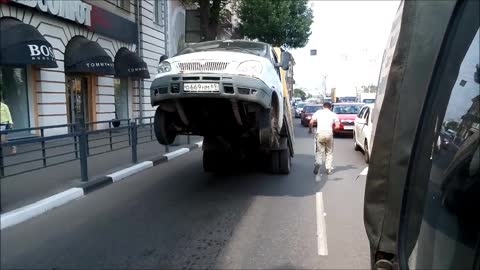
<point>307,112</point>
<point>422,193</point>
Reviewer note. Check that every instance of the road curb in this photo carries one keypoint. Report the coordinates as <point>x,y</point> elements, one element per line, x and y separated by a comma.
<point>27,212</point>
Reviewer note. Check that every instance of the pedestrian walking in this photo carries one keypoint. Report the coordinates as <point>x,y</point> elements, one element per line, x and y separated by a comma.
<point>6,123</point>
<point>325,119</point>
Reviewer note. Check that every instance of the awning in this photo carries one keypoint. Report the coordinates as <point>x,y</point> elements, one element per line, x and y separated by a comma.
<point>86,56</point>
<point>129,64</point>
<point>22,44</point>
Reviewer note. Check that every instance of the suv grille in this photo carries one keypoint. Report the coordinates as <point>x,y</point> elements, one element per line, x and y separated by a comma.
<point>201,67</point>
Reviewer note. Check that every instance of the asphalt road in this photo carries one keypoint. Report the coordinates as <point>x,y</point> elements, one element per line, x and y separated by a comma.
<point>177,216</point>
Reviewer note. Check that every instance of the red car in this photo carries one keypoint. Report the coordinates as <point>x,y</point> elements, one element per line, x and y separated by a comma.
<point>307,112</point>
<point>346,115</point>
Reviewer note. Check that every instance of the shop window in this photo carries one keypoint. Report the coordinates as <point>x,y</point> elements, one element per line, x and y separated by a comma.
<point>121,98</point>
<point>79,99</point>
<point>159,11</point>
<point>14,92</point>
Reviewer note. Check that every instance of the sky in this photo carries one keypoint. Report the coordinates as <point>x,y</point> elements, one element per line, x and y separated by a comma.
<point>349,37</point>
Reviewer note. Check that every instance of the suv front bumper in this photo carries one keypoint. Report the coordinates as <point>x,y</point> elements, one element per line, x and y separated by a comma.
<point>235,87</point>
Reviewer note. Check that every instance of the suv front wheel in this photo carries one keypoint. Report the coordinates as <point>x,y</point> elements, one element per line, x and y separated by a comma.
<point>163,127</point>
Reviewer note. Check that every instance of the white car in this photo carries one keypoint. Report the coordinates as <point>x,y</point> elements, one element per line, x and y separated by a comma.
<point>362,131</point>
<point>231,93</point>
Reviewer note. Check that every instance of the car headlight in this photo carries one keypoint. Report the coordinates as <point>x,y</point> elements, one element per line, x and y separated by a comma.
<point>164,67</point>
<point>250,68</point>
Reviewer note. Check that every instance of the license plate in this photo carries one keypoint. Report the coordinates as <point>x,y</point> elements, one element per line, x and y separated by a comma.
<point>201,87</point>
<point>348,127</point>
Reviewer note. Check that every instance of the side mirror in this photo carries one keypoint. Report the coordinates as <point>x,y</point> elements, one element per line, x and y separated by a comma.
<point>162,58</point>
<point>285,61</point>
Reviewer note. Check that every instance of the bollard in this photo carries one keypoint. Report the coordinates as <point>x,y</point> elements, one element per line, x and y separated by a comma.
<point>2,172</point>
<point>83,155</point>
<point>44,152</point>
<point>110,134</point>
<point>134,142</point>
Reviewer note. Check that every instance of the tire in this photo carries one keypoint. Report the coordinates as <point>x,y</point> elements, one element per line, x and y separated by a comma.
<point>209,161</point>
<point>274,162</point>
<point>356,147</point>
<point>285,161</point>
<point>366,153</point>
<point>163,127</point>
<point>270,136</point>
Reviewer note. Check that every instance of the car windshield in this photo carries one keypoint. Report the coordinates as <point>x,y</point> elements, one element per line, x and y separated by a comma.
<point>311,109</point>
<point>300,105</point>
<point>346,109</point>
<point>256,48</point>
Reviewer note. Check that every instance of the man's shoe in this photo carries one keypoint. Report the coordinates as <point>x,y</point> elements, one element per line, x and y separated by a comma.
<point>316,168</point>
<point>329,171</point>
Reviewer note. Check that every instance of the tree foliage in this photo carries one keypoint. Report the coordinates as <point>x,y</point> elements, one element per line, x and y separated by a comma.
<point>299,93</point>
<point>279,22</point>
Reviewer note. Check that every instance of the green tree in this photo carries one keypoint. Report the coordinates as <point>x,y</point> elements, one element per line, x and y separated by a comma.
<point>299,93</point>
<point>278,22</point>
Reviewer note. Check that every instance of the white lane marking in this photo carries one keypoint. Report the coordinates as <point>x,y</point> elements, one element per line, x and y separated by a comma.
<point>200,144</point>
<point>177,153</point>
<point>364,172</point>
<point>321,226</point>
<point>122,174</point>
<point>32,210</point>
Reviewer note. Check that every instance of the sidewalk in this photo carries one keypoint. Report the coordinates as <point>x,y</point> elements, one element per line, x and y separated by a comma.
<point>23,189</point>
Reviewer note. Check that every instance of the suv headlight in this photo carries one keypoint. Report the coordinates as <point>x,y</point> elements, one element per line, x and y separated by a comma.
<point>164,67</point>
<point>251,68</point>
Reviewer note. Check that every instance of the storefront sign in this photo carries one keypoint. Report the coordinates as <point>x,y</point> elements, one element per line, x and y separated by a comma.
<point>91,65</point>
<point>42,52</point>
<point>137,69</point>
<point>73,10</point>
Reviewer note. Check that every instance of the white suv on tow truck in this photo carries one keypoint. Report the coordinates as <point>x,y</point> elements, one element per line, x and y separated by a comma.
<point>231,93</point>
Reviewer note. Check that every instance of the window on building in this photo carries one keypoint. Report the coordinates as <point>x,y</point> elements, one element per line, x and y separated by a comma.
<point>13,92</point>
<point>125,4</point>
<point>159,11</point>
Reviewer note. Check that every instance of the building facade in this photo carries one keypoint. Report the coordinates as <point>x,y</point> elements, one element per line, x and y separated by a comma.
<point>67,62</point>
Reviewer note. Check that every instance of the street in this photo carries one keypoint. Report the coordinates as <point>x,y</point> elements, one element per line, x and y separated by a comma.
<point>177,216</point>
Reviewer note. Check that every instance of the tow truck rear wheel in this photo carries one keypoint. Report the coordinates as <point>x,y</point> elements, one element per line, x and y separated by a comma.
<point>163,127</point>
<point>285,161</point>
<point>211,161</point>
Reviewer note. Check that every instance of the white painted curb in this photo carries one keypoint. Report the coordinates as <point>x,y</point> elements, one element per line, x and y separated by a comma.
<point>29,211</point>
<point>177,153</point>
<point>122,174</point>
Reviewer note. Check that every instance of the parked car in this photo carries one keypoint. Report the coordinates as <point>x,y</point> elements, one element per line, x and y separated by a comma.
<point>346,115</point>
<point>298,109</point>
<point>362,131</point>
<point>307,112</point>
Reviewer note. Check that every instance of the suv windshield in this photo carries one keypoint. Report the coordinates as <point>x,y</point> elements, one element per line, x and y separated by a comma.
<point>256,48</point>
<point>346,109</point>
